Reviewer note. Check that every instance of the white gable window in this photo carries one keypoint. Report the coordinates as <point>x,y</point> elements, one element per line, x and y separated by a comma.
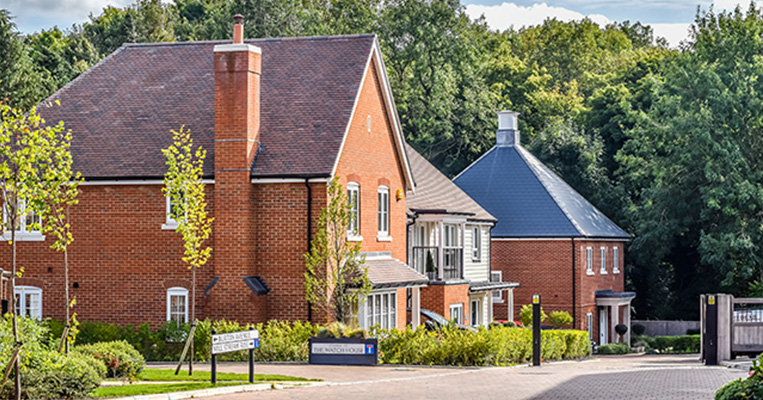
<point>589,260</point>
<point>29,301</point>
<point>497,276</point>
<point>603,252</point>
<point>616,260</point>
<point>353,200</point>
<point>457,313</point>
<point>476,244</point>
<point>380,309</point>
<point>28,224</point>
<point>177,305</point>
<point>383,216</point>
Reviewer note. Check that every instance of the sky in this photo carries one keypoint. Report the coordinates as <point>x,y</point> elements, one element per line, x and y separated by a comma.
<point>669,18</point>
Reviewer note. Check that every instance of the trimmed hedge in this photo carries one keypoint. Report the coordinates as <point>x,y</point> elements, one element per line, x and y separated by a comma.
<point>614,348</point>
<point>670,344</point>
<point>119,357</point>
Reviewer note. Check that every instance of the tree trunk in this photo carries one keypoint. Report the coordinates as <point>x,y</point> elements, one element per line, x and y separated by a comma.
<point>193,314</point>
<point>17,363</point>
<point>66,293</point>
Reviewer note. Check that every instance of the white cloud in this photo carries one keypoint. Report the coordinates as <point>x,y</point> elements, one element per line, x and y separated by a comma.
<point>509,15</point>
<point>674,33</point>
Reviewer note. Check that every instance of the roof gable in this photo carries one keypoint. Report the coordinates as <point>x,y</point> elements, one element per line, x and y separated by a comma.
<point>530,200</point>
<point>121,111</point>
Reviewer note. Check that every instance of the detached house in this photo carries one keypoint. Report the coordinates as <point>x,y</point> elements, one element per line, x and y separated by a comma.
<point>279,118</point>
<point>449,242</point>
<point>549,238</point>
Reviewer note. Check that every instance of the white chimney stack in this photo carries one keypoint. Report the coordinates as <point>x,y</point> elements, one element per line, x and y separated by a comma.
<point>508,130</point>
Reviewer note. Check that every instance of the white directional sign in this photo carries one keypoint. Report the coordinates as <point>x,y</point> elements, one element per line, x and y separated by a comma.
<point>235,341</point>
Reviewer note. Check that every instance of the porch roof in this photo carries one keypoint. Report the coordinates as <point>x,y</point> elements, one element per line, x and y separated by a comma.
<point>387,272</point>
<point>491,286</point>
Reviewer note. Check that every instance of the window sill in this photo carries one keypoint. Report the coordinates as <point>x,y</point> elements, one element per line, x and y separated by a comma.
<point>589,273</point>
<point>497,301</point>
<point>616,271</point>
<point>476,260</point>
<point>169,227</point>
<point>24,237</point>
<point>353,238</point>
<point>384,238</point>
<point>602,272</point>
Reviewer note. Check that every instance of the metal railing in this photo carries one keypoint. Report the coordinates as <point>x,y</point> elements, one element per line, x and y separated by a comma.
<point>425,261</point>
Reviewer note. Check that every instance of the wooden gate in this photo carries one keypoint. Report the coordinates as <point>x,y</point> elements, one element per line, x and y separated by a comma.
<point>738,330</point>
<point>747,327</point>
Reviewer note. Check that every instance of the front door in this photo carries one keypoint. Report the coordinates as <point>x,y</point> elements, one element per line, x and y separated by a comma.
<point>603,325</point>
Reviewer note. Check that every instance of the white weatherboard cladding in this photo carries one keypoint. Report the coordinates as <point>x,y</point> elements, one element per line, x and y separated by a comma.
<point>484,298</point>
<point>477,271</point>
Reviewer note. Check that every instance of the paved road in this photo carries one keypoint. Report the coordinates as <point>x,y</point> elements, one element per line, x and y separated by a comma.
<point>611,377</point>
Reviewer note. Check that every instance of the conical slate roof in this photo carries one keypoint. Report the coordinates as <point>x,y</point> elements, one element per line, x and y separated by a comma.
<point>530,200</point>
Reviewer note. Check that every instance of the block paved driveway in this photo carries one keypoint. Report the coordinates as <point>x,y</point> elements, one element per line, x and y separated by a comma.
<point>609,377</point>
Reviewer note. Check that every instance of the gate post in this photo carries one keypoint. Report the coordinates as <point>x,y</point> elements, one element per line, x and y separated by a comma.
<point>710,344</point>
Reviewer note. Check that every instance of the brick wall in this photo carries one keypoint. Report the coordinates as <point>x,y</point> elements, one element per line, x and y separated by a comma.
<point>438,298</point>
<point>545,267</point>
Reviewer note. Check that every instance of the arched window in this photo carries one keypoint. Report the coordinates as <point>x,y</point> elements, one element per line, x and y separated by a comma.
<point>177,305</point>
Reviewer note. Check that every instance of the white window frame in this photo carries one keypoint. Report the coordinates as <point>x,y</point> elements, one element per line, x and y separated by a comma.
<point>603,255</point>
<point>353,230</point>
<point>476,317</point>
<point>372,311</point>
<point>615,260</point>
<point>177,291</point>
<point>22,308</point>
<point>589,260</point>
<point>459,316</point>
<point>589,325</point>
<point>497,294</point>
<point>383,214</point>
<point>22,234</point>
<point>450,233</point>
<point>170,223</point>
<point>476,243</point>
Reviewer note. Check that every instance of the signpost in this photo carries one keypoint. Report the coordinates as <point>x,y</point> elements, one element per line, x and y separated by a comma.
<point>536,330</point>
<point>235,341</point>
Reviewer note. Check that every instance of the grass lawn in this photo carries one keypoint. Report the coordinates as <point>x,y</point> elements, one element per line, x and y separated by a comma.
<point>154,388</point>
<point>168,375</point>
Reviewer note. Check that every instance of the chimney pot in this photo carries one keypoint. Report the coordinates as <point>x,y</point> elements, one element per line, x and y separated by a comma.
<point>238,29</point>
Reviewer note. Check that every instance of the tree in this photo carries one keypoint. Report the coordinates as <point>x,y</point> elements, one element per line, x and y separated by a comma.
<point>61,186</point>
<point>559,319</point>
<point>185,188</point>
<point>336,279</point>
<point>526,315</point>
<point>20,84</point>
<point>27,149</point>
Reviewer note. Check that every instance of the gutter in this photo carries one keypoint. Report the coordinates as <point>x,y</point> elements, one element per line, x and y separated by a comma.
<point>574,286</point>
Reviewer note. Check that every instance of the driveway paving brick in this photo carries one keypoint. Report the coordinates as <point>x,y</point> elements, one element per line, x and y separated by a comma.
<point>610,377</point>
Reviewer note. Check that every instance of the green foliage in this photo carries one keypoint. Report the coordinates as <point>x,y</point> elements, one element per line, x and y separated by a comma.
<point>526,315</point>
<point>638,329</point>
<point>745,388</point>
<point>670,344</point>
<point>614,348</point>
<point>496,346</point>
<point>336,279</point>
<point>337,330</point>
<point>119,357</point>
<point>621,329</point>
<point>559,319</point>
<point>157,388</point>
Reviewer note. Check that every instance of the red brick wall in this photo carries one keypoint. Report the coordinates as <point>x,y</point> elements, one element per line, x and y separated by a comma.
<point>371,160</point>
<point>545,267</point>
<point>438,298</point>
<point>121,258</point>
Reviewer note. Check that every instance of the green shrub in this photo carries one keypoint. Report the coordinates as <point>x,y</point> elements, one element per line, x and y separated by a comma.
<point>559,319</point>
<point>669,344</point>
<point>621,329</point>
<point>614,348</point>
<point>526,315</point>
<point>749,388</point>
<point>693,331</point>
<point>339,330</point>
<point>119,357</point>
<point>638,329</point>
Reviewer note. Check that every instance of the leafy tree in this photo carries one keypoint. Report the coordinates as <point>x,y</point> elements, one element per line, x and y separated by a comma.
<point>526,315</point>
<point>184,186</point>
<point>559,319</point>
<point>28,150</point>
<point>336,279</point>
<point>20,85</point>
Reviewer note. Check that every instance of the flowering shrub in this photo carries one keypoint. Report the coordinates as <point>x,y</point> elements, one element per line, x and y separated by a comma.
<point>744,388</point>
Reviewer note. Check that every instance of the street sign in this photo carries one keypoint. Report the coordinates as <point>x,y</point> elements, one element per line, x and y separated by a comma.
<point>235,341</point>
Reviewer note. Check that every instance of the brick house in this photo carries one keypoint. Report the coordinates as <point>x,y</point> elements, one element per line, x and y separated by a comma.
<point>449,241</point>
<point>279,118</point>
<point>549,238</point>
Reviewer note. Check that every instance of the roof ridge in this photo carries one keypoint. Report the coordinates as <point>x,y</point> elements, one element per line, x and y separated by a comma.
<point>521,150</point>
<point>255,40</point>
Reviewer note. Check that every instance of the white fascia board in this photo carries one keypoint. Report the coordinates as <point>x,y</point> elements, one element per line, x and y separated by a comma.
<point>135,182</point>
<point>288,180</point>
<point>577,239</point>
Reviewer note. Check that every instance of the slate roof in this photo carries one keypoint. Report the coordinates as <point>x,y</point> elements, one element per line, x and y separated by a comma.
<point>389,272</point>
<point>530,200</point>
<point>121,110</point>
<point>435,193</point>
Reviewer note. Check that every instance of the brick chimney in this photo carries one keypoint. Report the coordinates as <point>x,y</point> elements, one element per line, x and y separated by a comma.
<point>237,101</point>
<point>237,69</point>
<point>508,130</point>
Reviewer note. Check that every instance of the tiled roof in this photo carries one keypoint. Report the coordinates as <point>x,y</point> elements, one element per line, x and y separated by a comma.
<point>389,272</point>
<point>436,193</point>
<point>121,111</point>
<point>530,200</point>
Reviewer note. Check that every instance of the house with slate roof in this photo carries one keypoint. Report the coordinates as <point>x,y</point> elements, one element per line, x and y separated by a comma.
<point>449,242</point>
<point>549,237</point>
<point>279,118</point>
